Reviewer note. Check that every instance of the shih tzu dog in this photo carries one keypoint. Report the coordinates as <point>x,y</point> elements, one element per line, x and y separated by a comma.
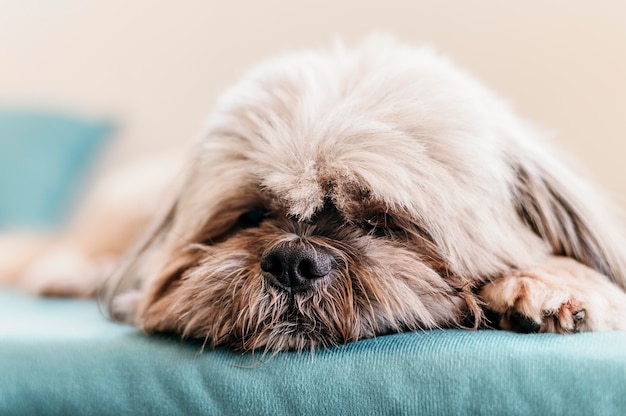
<point>347,193</point>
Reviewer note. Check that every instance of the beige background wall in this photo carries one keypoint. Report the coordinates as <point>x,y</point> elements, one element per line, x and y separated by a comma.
<point>156,66</point>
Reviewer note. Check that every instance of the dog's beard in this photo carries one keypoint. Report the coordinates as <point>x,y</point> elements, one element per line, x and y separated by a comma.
<point>378,284</point>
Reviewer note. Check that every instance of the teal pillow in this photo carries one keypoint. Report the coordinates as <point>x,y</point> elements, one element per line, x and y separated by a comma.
<point>44,157</point>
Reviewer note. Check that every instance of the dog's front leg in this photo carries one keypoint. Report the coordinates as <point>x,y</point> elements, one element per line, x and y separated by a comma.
<point>559,295</point>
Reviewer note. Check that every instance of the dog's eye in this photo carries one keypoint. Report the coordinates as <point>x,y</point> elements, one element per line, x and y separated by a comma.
<point>252,218</point>
<point>380,223</point>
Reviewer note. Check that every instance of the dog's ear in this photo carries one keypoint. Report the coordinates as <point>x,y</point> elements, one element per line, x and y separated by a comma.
<point>169,248</point>
<point>571,216</point>
<point>120,294</point>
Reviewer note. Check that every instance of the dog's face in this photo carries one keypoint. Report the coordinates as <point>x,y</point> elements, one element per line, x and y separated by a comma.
<point>336,196</point>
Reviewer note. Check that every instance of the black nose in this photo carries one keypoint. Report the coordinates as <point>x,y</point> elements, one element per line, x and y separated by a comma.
<point>296,264</point>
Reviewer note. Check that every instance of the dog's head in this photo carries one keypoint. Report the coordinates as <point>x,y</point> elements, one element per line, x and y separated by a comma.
<point>342,194</point>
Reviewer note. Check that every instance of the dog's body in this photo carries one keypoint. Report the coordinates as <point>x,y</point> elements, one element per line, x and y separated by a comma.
<point>343,194</point>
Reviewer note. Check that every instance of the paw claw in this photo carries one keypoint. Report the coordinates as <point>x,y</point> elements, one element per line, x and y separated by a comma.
<point>579,316</point>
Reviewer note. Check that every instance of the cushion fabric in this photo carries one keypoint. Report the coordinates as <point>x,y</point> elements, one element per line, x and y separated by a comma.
<point>61,357</point>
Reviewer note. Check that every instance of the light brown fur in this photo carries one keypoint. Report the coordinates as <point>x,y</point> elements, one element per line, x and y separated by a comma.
<point>438,206</point>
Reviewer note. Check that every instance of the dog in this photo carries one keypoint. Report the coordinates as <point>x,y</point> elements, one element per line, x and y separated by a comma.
<point>347,193</point>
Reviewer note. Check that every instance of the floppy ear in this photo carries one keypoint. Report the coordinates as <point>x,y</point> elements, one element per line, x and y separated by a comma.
<point>120,294</point>
<point>571,217</point>
<point>170,246</point>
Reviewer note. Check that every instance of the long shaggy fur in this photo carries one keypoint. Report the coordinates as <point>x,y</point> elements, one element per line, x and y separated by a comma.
<point>425,189</point>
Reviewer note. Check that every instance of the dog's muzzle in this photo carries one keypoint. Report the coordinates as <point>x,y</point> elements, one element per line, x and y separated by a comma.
<point>294,265</point>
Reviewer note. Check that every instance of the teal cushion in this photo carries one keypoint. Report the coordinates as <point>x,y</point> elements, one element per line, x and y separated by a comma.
<point>43,159</point>
<point>60,357</point>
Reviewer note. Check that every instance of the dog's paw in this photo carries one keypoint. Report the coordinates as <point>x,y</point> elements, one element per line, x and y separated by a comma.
<point>65,272</point>
<point>559,296</point>
<point>529,301</point>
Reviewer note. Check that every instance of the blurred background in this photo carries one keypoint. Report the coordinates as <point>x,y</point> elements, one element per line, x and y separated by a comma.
<point>136,77</point>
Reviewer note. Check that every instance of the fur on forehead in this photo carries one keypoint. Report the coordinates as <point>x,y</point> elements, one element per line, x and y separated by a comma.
<point>394,119</point>
<point>396,123</point>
